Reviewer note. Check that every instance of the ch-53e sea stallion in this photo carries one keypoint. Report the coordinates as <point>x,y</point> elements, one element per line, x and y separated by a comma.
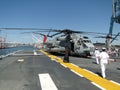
<point>69,42</point>
<point>72,40</point>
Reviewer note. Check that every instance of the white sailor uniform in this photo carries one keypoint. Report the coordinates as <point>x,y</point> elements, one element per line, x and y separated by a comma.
<point>103,62</point>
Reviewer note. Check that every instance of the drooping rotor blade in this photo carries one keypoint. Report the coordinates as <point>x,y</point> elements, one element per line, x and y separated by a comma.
<point>104,37</point>
<point>66,31</point>
<point>39,33</point>
<point>35,38</point>
<point>100,37</point>
<point>55,34</point>
<point>42,34</point>
<point>32,32</point>
<point>115,37</point>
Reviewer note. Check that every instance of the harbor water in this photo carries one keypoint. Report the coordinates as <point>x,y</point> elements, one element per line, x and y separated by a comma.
<point>8,51</point>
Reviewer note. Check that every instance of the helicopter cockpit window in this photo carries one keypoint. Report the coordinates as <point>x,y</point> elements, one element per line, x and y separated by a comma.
<point>79,42</point>
<point>86,41</point>
<point>85,37</point>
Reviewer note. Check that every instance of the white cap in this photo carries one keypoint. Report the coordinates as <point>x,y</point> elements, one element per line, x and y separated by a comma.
<point>96,48</point>
<point>103,48</point>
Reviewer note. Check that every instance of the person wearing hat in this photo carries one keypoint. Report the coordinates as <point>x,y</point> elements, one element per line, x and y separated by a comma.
<point>97,55</point>
<point>104,60</point>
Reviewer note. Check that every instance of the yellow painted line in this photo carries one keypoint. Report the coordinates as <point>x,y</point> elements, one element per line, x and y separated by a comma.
<point>104,83</point>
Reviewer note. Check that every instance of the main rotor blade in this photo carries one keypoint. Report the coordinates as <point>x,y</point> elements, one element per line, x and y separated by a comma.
<point>72,31</point>
<point>104,37</point>
<point>65,31</point>
<point>55,34</point>
<point>39,33</point>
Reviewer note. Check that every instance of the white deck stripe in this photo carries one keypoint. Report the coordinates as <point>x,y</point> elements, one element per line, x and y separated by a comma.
<point>74,65</point>
<point>64,65</point>
<point>35,53</point>
<point>46,82</point>
<point>98,86</point>
<point>20,60</point>
<point>115,82</point>
<point>77,73</point>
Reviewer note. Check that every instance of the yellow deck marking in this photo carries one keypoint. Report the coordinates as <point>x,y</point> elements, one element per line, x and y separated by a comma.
<point>104,83</point>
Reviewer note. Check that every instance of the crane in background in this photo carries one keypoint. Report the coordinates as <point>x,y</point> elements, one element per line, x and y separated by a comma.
<point>115,18</point>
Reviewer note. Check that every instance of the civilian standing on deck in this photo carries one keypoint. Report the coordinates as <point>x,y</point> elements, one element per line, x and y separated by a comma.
<point>104,60</point>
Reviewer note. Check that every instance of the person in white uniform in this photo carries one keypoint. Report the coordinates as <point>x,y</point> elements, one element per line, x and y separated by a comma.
<point>97,52</point>
<point>104,60</point>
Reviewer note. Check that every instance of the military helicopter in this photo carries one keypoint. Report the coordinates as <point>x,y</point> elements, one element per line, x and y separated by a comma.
<point>68,42</point>
<point>78,44</point>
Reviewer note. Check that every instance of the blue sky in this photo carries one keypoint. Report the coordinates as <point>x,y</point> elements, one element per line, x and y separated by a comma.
<point>80,15</point>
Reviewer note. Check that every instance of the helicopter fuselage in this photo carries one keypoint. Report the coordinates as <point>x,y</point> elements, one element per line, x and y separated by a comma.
<point>78,45</point>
